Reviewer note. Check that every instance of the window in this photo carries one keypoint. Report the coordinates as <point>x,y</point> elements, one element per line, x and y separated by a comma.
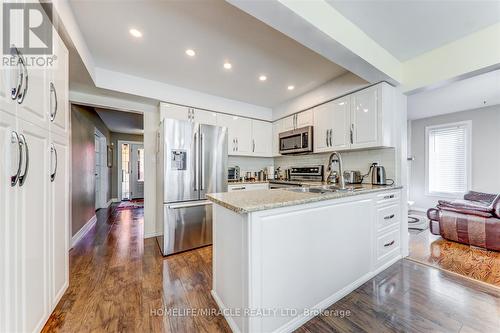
<point>140,165</point>
<point>448,159</point>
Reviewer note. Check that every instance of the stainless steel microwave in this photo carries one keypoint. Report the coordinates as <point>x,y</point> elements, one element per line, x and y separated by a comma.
<point>296,141</point>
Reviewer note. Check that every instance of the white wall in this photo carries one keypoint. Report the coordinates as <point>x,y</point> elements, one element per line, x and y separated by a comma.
<point>251,164</point>
<point>485,152</point>
<point>151,122</point>
<point>337,87</point>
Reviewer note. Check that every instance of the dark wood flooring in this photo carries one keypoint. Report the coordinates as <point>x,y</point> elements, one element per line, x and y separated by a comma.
<point>469,261</point>
<point>120,283</point>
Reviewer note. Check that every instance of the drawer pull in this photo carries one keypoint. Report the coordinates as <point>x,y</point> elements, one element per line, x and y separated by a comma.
<point>389,244</point>
<point>389,217</point>
<point>238,188</point>
<point>389,196</point>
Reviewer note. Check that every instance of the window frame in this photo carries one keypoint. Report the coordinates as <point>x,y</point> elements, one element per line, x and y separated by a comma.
<point>468,156</point>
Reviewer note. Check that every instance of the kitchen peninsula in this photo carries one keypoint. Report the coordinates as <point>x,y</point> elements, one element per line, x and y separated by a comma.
<point>282,255</point>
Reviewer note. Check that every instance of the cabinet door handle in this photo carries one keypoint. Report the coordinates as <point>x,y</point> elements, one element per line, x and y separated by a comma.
<point>239,188</point>
<point>389,217</point>
<point>22,178</point>
<point>389,196</point>
<point>14,93</point>
<point>253,146</point>
<point>326,137</point>
<point>54,150</point>
<point>14,138</point>
<point>21,96</point>
<point>237,145</point>
<point>53,91</point>
<point>390,243</point>
<point>352,133</point>
<point>331,135</point>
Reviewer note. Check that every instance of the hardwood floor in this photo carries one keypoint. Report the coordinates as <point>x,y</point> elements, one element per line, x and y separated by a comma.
<point>472,262</point>
<point>120,283</point>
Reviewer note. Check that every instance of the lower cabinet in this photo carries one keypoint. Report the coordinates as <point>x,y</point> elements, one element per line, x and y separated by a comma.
<point>34,225</point>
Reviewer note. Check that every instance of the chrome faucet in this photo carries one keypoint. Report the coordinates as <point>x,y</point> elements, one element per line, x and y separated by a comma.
<point>335,157</point>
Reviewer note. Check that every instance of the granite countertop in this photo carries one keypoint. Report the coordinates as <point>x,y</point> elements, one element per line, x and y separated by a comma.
<point>243,202</point>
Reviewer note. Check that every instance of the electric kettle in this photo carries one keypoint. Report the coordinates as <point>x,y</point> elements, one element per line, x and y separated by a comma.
<point>378,175</point>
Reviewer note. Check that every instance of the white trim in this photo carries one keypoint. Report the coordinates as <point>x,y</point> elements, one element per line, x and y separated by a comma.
<point>151,234</point>
<point>114,200</point>
<point>83,231</point>
<point>108,203</point>
<point>468,156</point>
<point>230,321</point>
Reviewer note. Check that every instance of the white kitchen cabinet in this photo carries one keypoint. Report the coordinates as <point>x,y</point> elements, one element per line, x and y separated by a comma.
<point>34,235</point>
<point>262,132</point>
<point>32,218</point>
<point>58,216</point>
<point>186,113</point>
<point>298,120</point>
<point>276,139</point>
<point>331,126</point>
<point>372,117</point>
<point>9,158</point>
<point>239,140</point>
<point>57,85</point>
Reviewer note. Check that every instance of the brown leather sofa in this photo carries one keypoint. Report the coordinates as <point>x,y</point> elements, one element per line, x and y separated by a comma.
<point>475,220</point>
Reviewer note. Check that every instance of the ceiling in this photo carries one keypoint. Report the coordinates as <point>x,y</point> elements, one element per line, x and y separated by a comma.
<point>479,91</point>
<point>410,28</point>
<point>122,122</point>
<point>218,32</point>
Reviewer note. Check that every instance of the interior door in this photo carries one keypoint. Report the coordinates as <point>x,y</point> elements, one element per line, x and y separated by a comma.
<point>181,182</point>
<point>137,171</point>
<point>213,159</point>
<point>97,171</point>
<point>33,203</point>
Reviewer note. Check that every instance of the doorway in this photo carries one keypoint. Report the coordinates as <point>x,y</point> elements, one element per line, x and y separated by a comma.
<point>100,170</point>
<point>131,170</point>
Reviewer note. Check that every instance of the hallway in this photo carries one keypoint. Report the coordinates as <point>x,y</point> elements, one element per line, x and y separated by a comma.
<point>117,280</point>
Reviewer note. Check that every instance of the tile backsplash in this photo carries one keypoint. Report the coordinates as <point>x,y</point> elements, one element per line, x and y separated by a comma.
<point>352,160</point>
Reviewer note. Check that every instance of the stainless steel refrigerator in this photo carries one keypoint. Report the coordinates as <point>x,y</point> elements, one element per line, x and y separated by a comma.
<point>191,162</point>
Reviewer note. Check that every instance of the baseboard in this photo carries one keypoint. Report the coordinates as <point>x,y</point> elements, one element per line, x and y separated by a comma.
<point>83,230</point>
<point>230,321</point>
<point>107,204</point>
<point>151,234</point>
<point>115,200</point>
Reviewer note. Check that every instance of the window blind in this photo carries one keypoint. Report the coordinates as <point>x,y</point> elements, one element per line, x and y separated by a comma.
<point>448,159</point>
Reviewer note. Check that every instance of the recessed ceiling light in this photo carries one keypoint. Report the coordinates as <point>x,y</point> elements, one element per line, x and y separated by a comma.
<point>341,103</point>
<point>136,33</point>
<point>291,87</point>
<point>227,65</point>
<point>235,117</point>
<point>262,78</point>
<point>190,52</point>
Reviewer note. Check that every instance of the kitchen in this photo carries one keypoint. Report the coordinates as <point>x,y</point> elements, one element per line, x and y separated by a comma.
<point>273,168</point>
<point>299,179</point>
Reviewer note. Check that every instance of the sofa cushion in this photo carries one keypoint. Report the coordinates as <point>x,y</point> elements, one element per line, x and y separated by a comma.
<point>466,204</point>
<point>465,211</point>
<point>496,206</point>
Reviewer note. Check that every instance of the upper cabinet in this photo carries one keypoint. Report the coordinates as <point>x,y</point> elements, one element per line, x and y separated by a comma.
<point>298,120</point>
<point>361,120</point>
<point>239,140</point>
<point>276,142</point>
<point>261,136</point>
<point>331,125</point>
<point>186,113</point>
<point>57,85</point>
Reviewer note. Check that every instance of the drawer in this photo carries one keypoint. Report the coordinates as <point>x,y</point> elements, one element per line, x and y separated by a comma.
<point>388,245</point>
<point>387,197</point>
<point>247,187</point>
<point>388,216</point>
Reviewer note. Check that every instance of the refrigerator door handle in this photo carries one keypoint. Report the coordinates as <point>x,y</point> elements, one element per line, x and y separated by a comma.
<point>202,157</point>
<point>189,204</point>
<point>197,160</point>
